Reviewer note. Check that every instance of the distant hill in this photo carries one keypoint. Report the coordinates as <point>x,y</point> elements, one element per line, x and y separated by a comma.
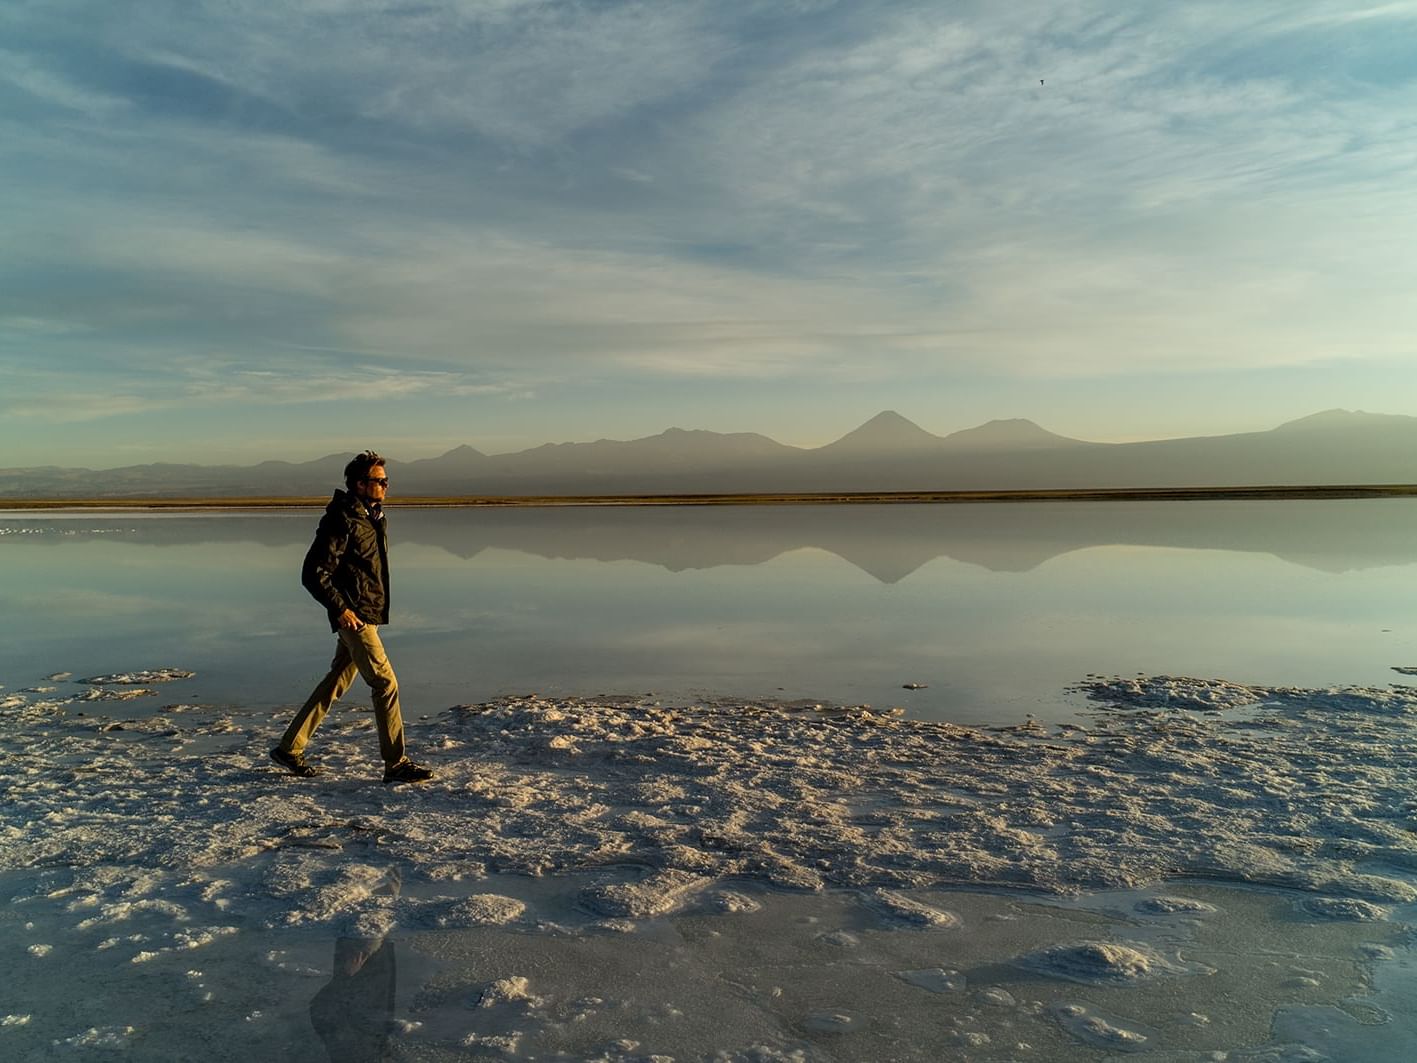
<point>887,453</point>
<point>888,433</point>
<point>1016,434</point>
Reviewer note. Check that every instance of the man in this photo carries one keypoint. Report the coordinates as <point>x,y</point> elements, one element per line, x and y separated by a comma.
<point>347,571</point>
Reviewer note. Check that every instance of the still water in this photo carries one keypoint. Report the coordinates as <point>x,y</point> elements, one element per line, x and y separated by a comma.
<point>995,609</point>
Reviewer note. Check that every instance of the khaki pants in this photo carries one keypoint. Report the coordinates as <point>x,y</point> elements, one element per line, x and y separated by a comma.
<point>362,652</point>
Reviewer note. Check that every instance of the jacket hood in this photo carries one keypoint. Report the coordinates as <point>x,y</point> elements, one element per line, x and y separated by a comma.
<point>343,501</point>
<point>347,502</point>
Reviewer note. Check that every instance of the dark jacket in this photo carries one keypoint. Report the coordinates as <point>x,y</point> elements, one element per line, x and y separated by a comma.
<point>347,566</point>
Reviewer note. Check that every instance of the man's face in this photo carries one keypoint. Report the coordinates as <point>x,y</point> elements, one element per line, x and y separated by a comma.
<point>374,485</point>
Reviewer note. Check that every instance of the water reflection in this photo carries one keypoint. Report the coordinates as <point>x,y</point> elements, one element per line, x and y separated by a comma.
<point>889,541</point>
<point>995,609</point>
<point>353,1014</point>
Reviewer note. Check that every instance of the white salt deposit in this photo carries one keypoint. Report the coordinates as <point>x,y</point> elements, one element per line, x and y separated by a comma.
<point>1347,908</point>
<point>1099,1031</point>
<point>1308,794</point>
<point>1102,963</point>
<point>899,908</point>
<point>149,842</point>
<point>139,678</point>
<point>106,1037</point>
<point>102,694</point>
<point>733,901</point>
<point>1168,905</point>
<point>511,990</point>
<point>657,895</point>
<point>483,909</point>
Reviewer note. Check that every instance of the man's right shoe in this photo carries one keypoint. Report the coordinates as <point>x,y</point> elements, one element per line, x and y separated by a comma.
<point>293,763</point>
<point>407,771</point>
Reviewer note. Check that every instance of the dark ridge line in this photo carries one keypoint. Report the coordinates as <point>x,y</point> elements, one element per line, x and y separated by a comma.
<point>1108,494</point>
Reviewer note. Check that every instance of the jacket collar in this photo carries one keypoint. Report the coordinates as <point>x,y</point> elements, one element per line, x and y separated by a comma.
<point>352,503</point>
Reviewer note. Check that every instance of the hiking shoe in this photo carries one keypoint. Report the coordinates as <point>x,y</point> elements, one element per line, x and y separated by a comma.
<point>407,771</point>
<point>293,763</point>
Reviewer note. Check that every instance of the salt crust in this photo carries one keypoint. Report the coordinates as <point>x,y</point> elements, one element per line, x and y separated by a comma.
<point>484,909</point>
<point>1094,1029</point>
<point>515,989</point>
<point>1167,905</point>
<point>179,816</point>
<point>1348,909</point>
<point>139,678</point>
<point>1103,963</point>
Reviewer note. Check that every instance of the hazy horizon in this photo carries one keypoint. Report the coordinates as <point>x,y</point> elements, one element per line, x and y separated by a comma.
<point>258,230</point>
<point>436,450</point>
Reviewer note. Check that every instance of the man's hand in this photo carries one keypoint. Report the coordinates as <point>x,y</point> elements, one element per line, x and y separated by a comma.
<point>349,621</point>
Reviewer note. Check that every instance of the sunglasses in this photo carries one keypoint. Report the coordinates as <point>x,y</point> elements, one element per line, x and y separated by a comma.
<point>382,481</point>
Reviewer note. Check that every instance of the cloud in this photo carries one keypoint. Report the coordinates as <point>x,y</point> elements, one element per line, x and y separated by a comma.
<point>529,73</point>
<point>345,199</point>
<point>47,86</point>
<point>213,382</point>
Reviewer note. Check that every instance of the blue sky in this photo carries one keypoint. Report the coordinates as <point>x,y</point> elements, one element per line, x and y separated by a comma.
<point>249,229</point>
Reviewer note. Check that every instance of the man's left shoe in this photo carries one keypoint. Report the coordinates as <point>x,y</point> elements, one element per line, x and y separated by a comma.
<point>407,771</point>
<point>294,763</point>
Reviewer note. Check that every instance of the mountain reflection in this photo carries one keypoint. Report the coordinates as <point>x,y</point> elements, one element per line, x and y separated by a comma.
<point>887,541</point>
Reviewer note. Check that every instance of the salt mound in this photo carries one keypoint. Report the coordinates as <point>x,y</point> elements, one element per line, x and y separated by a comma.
<point>1345,909</point>
<point>1173,906</point>
<point>483,909</point>
<point>99,694</point>
<point>733,901</point>
<point>1094,1029</point>
<point>654,896</point>
<point>1214,695</point>
<point>901,908</point>
<point>512,990</point>
<point>1100,963</point>
<point>135,679</point>
<point>1173,692</point>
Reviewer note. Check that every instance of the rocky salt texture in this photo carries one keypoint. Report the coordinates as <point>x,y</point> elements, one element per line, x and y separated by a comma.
<point>1103,963</point>
<point>157,843</point>
<point>138,678</point>
<point>1310,790</point>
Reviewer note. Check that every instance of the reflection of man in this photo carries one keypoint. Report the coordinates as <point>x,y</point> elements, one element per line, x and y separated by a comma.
<point>347,571</point>
<point>354,1012</point>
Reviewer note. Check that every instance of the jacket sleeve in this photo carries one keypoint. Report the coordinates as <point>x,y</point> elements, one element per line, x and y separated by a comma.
<point>322,561</point>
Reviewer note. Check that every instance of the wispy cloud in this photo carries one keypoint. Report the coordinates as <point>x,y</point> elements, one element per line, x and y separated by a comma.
<point>213,382</point>
<point>482,198</point>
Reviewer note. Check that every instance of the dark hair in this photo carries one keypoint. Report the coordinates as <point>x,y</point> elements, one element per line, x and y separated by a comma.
<point>359,467</point>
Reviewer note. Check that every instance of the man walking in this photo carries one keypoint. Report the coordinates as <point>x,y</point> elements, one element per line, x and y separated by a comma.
<point>347,571</point>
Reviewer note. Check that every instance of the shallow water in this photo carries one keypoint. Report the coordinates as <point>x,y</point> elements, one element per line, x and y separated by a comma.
<point>613,880</point>
<point>994,609</point>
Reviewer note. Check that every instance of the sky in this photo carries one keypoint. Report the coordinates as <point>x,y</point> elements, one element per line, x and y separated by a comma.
<point>248,229</point>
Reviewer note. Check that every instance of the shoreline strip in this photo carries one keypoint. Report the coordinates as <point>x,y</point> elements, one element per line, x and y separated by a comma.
<point>1109,494</point>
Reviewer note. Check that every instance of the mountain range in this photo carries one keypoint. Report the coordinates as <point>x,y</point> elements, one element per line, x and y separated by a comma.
<point>887,453</point>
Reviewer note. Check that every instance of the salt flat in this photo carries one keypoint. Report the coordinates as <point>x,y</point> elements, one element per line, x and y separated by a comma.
<point>1193,863</point>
